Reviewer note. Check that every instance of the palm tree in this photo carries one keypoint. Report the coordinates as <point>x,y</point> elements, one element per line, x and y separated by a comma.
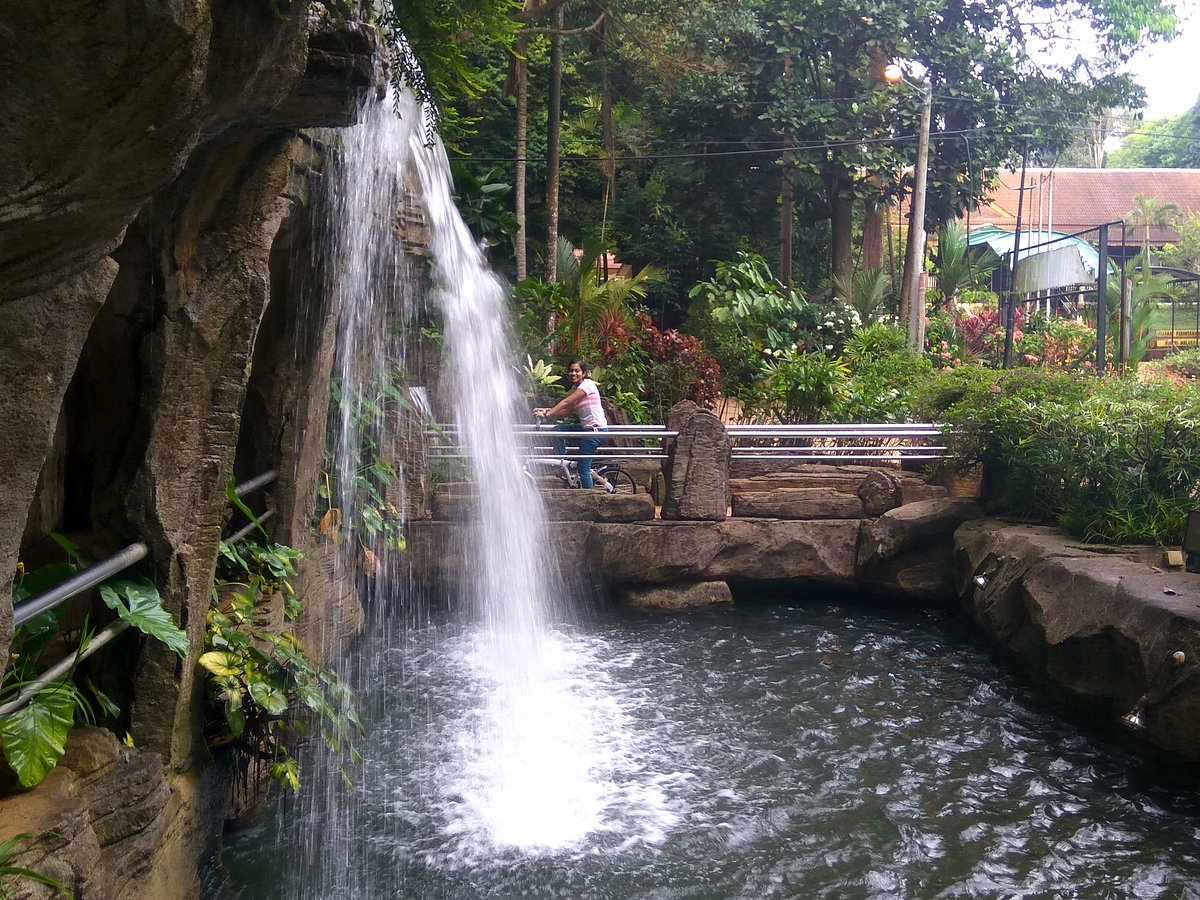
<point>1147,212</point>
<point>955,269</point>
<point>865,292</point>
<point>1146,292</point>
<point>592,305</point>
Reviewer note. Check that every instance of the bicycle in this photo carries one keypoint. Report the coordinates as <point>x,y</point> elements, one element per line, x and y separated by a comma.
<point>567,471</point>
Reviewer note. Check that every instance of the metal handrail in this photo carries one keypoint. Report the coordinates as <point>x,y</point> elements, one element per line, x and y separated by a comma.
<point>79,582</point>
<point>63,666</point>
<point>254,483</point>
<point>248,527</point>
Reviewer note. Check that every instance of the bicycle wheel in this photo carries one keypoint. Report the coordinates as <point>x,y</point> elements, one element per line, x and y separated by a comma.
<point>618,478</point>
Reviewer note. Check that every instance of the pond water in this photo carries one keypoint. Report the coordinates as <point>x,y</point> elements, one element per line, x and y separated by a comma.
<point>794,748</point>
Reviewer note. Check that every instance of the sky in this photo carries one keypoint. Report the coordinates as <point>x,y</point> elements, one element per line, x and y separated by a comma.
<point>1170,72</point>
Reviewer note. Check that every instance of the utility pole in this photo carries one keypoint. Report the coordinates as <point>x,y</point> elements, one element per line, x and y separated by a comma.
<point>553,132</point>
<point>911,296</point>
<point>1010,311</point>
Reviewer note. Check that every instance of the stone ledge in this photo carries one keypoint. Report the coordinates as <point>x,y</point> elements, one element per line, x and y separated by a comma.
<point>561,506</point>
<point>678,596</point>
<point>1111,631</point>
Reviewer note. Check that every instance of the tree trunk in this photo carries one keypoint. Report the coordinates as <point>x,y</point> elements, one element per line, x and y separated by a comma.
<point>872,239</point>
<point>841,219</point>
<point>554,129</point>
<point>785,219</point>
<point>522,236</point>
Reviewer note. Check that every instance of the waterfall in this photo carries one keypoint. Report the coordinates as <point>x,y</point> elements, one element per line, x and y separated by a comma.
<point>518,768</point>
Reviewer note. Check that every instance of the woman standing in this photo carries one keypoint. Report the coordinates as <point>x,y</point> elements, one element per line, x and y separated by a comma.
<point>583,399</point>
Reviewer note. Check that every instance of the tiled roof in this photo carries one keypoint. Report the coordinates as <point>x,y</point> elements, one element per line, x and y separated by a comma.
<point>1071,200</point>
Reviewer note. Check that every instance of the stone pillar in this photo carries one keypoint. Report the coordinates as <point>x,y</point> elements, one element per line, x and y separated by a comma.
<point>41,338</point>
<point>697,465</point>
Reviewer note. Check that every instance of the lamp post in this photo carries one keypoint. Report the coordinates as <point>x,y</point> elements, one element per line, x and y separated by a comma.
<point>912,298</point>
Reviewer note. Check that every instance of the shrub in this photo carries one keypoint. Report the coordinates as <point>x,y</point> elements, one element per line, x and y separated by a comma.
<point>801,386</point>
<point>1111,460</point>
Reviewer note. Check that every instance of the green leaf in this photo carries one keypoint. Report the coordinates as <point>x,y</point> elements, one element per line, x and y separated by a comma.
<point>35,736</point>
<point>231,495</point>
<point>288,770</point>
<point>270,698</point>
<point>144,611</point>
<point>221,662</point>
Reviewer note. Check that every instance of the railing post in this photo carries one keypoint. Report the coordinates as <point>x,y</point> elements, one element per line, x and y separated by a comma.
<point>1102,300</point>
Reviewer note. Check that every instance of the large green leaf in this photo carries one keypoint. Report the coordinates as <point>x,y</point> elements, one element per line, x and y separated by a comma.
<point>138,603</point>
<point>35,735</point>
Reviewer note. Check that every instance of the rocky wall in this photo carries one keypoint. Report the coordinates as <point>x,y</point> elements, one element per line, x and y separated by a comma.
<point>1111,631</point>
<point>152,181</point>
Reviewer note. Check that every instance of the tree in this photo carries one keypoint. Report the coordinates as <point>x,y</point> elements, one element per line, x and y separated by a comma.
<point>1149,212</point>
<point>1185,253</point>
<point>591,306</point>
<point>955,269</point>
<point>1169,143</point>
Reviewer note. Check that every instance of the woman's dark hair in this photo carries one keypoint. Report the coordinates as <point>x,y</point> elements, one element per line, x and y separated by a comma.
<point>583,367</point>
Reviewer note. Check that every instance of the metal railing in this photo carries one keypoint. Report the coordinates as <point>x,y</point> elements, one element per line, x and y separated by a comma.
<point>81,581</point>
<point>88,578</point>
<point>538,441</point>
<point>882,442</point>
<point>832,442</point>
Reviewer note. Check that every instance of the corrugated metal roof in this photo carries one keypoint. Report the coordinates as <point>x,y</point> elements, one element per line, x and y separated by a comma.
<point>1047,259</point>
<point>1069,200</point>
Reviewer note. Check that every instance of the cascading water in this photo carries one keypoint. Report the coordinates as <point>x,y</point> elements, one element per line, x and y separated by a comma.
<point>528,765</point>
<point>786,751</point>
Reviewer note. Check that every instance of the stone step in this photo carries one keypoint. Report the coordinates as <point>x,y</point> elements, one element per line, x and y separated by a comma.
<point>797,503</point>
<point>561,506</point>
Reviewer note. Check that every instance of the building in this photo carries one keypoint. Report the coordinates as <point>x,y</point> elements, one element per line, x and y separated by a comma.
<point>1070,201</point>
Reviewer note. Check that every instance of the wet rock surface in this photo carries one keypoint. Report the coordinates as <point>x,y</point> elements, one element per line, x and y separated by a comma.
<point>1109,630</point>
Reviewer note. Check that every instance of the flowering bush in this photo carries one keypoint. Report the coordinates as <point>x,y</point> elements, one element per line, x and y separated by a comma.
<point>677,368</point>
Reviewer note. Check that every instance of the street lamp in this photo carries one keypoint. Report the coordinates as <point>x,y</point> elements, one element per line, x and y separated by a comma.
<point>912,299</point>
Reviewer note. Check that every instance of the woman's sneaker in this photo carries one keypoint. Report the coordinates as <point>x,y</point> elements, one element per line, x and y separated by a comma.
<point>610,487</point>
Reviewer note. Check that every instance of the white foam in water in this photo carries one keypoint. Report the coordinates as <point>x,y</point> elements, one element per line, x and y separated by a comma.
<point>548,764</point>
<point>536,760</point>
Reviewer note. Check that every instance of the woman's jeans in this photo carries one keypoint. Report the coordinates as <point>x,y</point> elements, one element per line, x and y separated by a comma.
<point>587,446</point>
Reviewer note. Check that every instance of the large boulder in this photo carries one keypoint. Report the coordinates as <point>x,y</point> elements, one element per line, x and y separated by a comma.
<point>653,552</point>
<point>796,503</point>
<point>909,550</point>
<point>774,549</point>
<point>697,465</point>
<point>1109,630</point>
<point>560,506</point>
<point>679,595</point>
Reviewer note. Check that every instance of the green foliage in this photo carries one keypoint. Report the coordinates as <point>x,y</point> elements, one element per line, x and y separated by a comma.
<point>482,200</point>
<point>1184,253</point>
<point>1168,143</point>
<point>800,387</point>
<point>10,850</point>
<point>1147,290</point>
<point>956,269</point>
<point>34,736</point>
<point>138,603</point>
<point>866,292</point>
<point>594,313</point>
<point>371,520</point>
<point>884,375</point>
<point>875,341</point>
<point>430,53</point>
<point>1112,460</point>
<point>271,696</point>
